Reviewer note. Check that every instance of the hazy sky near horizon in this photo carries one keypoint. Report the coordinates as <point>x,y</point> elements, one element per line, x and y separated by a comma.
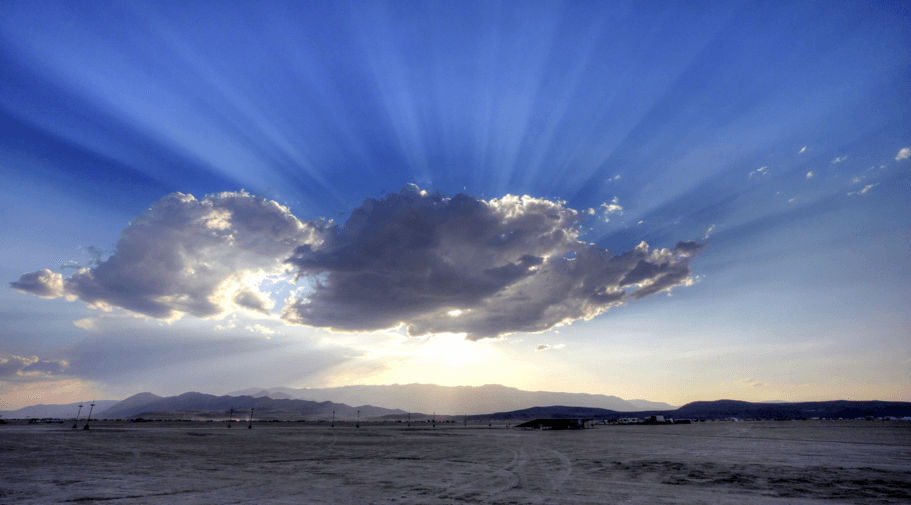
<point>674,201</point>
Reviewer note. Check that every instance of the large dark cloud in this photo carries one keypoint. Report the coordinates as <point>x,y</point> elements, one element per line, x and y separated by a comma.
<point>434,263</point>
<point>464,265</point>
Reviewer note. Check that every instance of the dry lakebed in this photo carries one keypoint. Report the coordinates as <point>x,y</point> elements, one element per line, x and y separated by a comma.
<point>391,463</point>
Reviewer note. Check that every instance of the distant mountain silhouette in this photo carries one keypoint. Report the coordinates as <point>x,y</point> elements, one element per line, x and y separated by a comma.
<point>646,405</point>
<point>200,405</point>
<point>455,400</point>
<point>66,411</point>
<point>275,396</point>
<point>204,406</point>
<point>724,409</point>
<point>832,409</point>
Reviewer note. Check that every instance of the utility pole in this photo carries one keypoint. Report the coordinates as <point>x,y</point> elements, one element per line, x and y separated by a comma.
<point>333,419</point>
<point>250,426</point>
<point>230,415</point>
<point>77,416</point>
<point>91,408</point>
<point>358,425</point>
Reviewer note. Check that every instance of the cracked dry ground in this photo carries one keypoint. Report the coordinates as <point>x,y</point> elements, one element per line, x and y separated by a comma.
<point>750,462</point>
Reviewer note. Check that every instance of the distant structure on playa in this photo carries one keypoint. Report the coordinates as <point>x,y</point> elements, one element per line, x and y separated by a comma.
<point>78,413</point>
<point>89,418</point>
<point>556,424</point>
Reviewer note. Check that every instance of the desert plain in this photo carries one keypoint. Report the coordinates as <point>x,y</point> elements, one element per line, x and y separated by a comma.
<point>799,462</point>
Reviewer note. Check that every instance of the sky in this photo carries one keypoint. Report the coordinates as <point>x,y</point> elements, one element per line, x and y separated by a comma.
<point>672,201</point>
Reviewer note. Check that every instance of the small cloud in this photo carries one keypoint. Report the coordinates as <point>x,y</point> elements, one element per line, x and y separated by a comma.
<point>608,208</point>
<point>802,150</point>
<point>810,175</point>
<point>904,154</point>
<point>43,284</point>
<point>228,325</point>
<point>867,188</point>
<point>761,171</point>
<point>613,207</point>
<point>542,347</point>
<point>253,299</point>
<point>839,160</point>
<point>615,178</point>
<point>708,231</point>
<point>87,323</point>
<point>856,179</point>
<point>262,330</point>
<point>792,200</point>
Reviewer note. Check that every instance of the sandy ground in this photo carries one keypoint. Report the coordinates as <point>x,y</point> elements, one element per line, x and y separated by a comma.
<point>746,462</point>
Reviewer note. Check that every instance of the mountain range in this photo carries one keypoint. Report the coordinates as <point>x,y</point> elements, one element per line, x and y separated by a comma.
<point>421,400</point>
<point>204,406</point>
<point>65,411</point>
<point>454,400</point>
<point>726,409</point>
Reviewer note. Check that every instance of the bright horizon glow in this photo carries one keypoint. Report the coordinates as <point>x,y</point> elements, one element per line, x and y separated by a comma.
<point>186,193</point>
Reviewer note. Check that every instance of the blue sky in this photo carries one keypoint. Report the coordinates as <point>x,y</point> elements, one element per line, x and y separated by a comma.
<point>212,196</point>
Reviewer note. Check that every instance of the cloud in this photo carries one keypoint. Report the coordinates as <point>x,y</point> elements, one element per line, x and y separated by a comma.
<point>810,175</point>
<point>27,369</point>
<point>609,208</point>
<point>542,347</point>
<point>761,171</point>
<point>802,150</point>
<point>188,256</point>
<point>88,323</point>
<point>904,154</point>
<point>708,232</point>
<point>864,191</point>
<point>753,382</point>
<point>262,330</point>
<point>507,265</point>
<point>43,283</point>
<point>839,160</point>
